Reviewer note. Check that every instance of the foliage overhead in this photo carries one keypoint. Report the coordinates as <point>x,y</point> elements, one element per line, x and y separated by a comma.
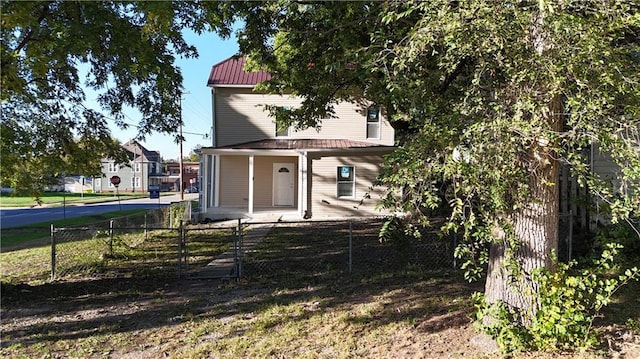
<point>58,55</point>
<point>470,88</point>
<point>488,100</point>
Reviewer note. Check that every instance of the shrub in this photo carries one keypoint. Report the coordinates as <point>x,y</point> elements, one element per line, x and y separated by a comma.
<point>569,299</point>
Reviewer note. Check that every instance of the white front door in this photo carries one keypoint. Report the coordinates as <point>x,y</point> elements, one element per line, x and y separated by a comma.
<point>283,184</point>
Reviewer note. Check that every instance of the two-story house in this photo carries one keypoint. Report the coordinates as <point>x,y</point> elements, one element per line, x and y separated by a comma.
<point>143,170</point>
<point>253,167</point>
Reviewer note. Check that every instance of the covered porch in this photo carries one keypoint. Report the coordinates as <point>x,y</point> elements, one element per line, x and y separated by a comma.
<point>295,178</point>
<point>253,183</point>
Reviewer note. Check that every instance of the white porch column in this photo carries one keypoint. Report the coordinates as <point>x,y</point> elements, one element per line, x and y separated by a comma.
<point>204,175</point>
<point>302,183</point>
<point>216,181</point>
<point>250,209</point>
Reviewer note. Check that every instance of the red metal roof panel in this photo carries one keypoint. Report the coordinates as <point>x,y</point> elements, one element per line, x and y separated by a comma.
<point>231,72</point>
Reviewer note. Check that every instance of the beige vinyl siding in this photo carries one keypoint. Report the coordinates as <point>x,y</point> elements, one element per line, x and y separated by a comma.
<point>240,118</point>
<point>234,183</point>
<point>350,123</point>
<point>325,202</point>
<point>607,169</point>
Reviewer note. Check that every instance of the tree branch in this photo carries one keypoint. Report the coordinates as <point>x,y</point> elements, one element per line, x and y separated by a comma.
<point>29,35</point>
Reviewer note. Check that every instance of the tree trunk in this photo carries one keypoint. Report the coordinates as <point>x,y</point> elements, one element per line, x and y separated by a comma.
<point>535,228</point>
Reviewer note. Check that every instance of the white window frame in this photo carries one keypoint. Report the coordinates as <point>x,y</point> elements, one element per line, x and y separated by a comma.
<point>135,182</point>
<point>373,123</point>
<point>113,167</point>
<point>340,180</point>
<point>136,167</point>
<point>285,133</point>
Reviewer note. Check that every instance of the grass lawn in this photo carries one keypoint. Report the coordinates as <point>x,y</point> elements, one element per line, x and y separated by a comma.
<point>143,311</point>
<point>12,238</point>
<point>57,198</point>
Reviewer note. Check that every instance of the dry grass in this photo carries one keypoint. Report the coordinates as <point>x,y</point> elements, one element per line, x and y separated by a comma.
<point>317,314</point>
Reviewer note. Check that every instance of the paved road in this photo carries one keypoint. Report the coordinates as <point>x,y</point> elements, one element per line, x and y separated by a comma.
<point>17,217</point>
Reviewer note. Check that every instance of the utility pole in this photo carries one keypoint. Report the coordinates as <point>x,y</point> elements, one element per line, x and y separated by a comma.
<point>180,160</point>
<point>181,168</point>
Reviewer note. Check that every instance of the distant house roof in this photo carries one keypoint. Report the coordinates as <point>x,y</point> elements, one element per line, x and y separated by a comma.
<point>306,144</point>
<point>140,153</point>
<point>230,72</point>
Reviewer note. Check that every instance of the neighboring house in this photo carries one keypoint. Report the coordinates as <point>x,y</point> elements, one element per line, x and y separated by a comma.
<point>143,170</point>
<point>77,184</point>
<point>190,176</point>
<point>253,167</point>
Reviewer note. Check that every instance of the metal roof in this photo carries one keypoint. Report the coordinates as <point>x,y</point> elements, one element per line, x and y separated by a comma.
<point>231,72</point>
<point>296,144</point>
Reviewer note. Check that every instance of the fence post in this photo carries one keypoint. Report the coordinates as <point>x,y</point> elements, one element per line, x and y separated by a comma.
<point>350,246</point>
<point>53,253</point>
<point>185,249</point>
<point>111,238</point>
<point>171,217</point>
<point>238,250</point>
<point>180,250</point>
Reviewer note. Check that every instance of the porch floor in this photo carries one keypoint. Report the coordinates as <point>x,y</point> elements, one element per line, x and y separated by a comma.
<point>259,213</point>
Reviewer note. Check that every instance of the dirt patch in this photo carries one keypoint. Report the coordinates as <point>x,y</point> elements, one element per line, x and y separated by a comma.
<point>129,318</point>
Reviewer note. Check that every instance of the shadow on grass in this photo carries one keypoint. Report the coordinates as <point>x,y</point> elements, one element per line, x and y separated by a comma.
<point>428,300</point>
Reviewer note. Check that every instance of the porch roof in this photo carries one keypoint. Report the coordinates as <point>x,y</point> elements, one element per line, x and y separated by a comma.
<point>304,144</point>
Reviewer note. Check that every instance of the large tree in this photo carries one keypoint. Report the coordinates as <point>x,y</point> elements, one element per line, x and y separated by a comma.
<point>488,100</point>
<point>124,52</point>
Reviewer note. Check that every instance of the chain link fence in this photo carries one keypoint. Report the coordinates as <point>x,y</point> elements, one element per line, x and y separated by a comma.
<point>348,246</point>
<point>134,245</point>
<point>160,243</point>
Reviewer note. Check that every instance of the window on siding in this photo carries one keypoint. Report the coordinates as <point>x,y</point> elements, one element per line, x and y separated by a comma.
<point>135,182</point>
<point>373,122</point>
<point>281,130</point>
<point>113,167</point>
<point>346,180</point>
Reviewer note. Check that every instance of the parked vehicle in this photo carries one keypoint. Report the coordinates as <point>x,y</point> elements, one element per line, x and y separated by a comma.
<point>191,189</point>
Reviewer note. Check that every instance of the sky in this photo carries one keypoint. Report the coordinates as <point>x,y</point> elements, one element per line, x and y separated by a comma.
<point>196,100</point>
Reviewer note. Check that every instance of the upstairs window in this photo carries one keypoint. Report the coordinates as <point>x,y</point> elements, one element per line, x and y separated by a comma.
<point>281,129</point>
<point>373,122</point>
<point>113,167</point>
<point>282,132</point>
<point>346,180</point>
